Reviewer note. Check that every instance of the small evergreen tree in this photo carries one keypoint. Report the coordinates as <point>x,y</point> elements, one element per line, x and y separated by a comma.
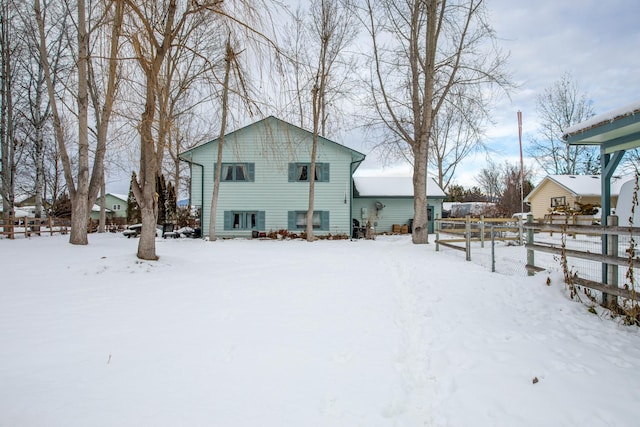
<point>161,194</point>
<point>134,216</point>
<point>171,203</point>
<point>455,193</point>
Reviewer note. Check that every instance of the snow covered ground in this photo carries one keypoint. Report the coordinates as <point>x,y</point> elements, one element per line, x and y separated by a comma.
<point>288,333</point>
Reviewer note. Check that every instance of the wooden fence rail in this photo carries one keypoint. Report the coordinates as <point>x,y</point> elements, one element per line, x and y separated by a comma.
<point>12,226</point>
<point>608,258</point>
<point>475,230</point>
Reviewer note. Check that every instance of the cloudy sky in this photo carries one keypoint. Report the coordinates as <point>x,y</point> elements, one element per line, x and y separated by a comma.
<point>598,42</point>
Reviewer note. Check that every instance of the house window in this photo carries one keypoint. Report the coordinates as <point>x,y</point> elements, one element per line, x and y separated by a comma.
<point>241,172</point>
<point>558,201</point>
<point>244,220</point>
<point>116,207</point>
<point>300,172</point>
<point>298,220</point>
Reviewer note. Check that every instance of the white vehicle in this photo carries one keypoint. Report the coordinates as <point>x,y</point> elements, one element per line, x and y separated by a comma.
<point>521,215</point>
<point>625,203</point>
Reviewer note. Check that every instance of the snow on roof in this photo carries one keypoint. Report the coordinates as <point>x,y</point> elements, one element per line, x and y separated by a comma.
<point>393,186</point>
<point>96,208</point>
<point>610,116</point>
<point>120,196</point>
<point>588,185</point>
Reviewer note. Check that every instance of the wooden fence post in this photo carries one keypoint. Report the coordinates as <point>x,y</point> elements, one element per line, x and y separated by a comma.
<point>611,301</point>
<point>521,227</point>
<point>493,250</point>
<point>482,231</point>
<point>438,225</point>
<point>530,252</point>
<point>467,234</point>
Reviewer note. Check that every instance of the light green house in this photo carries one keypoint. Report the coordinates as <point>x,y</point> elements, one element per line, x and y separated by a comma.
<point>387,201</point>
<point>264,181</point>
<point>115,206</point>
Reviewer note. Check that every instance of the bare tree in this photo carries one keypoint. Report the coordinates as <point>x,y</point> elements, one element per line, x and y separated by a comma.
<point>154,33</point>
<point>7,90</point>
<point>457,132</point>
<point>422,51</point>
<point>229,60</point>
<point>83,190</point>
<point>332,27</point>
<point>183,99</point>
<point>155,29</point>
<point>104,97</point>
<point>513,187</point>
<point>560,106</point>
<point>322,71</point>
<point>490,181</point>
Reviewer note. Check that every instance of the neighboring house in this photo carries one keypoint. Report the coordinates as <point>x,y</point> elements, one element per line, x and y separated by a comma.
<point>29,211</point>
<point>556,191</point>
<point>264,181</point>
<point>388,201</point>
<point>115,205</point>
<point>95,212</point>
<point>28,204</point>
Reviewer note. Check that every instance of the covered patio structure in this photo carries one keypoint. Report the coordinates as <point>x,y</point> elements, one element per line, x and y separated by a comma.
<point>615,132</point>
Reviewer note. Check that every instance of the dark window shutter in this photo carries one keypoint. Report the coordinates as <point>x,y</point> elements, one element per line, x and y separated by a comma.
<point>251,171</point>
<point>324,220</point>
<point>228,220</point>
<point>292,172</point>
<point>325,172</point>
<point>292,220</point>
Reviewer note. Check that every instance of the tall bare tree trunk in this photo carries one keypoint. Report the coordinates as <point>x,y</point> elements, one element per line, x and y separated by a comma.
<point>80,198</point>
<point>102,225</point>
<point>420,233</point>
<point>103,113</point>
<point>6,120</point>
<point>311,173</point>
<point>229,56</point>
<point>144,188</point>
<point>332,27</point>
<point>57,122</point>
<point>39,122</point>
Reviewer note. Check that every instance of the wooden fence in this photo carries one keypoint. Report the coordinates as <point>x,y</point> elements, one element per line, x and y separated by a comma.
<point>463,231</point>
<point>11,226</point>
<point>610,259</point>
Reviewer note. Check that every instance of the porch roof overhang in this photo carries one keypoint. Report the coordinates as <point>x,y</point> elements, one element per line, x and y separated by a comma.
<point>614,132</point>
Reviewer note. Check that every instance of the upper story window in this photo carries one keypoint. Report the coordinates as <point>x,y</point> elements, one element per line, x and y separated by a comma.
<point>558,201</point>
<point>242,172</point>
<point>301,172</point>
<point>116,207</point>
